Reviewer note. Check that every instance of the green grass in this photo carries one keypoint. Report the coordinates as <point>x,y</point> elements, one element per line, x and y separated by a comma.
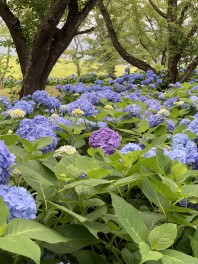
<point>63,68</point>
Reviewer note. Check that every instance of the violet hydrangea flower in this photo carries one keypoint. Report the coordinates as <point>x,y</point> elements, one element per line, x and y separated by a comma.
<point>6,160</point>
<point>19,201</point>
<point>105,138</point>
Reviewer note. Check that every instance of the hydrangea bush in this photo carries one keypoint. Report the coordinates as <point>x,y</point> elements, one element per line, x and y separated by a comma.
<point>105,172</point>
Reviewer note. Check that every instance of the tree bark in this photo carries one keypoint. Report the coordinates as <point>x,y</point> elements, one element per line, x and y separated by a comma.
<point>49,41</point>
<point>46,57</point>
<point>173,56</point>
<point>123,53</point>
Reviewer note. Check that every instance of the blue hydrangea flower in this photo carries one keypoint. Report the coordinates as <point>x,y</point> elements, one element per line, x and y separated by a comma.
<point>184,150</point>
<point>154,120</point>
<point>19,201</point>
<point>87,107</point>
<point>59,120</point>
<point>130,147</point>
<point>6,161</point>
<point>170,102</point>
<point>153,104</point>
<point>38,127</point>
<point>185,121</point>
<point>5,102</point>
<point>171,125</point>
<point>178,154</point>
<point>42,98</point>
<point>133,110</point>
<point>23,105</point>
<point>193,127</point>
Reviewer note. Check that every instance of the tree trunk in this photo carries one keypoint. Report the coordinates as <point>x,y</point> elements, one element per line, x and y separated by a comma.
<point>47,50</point>
<point>49,41</point>
<point>173,57</point>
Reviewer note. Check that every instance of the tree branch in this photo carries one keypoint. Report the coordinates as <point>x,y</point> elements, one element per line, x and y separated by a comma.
<point>17,34</point>
<point>162,14</point>
<point>182,15</point>
<point>192,31</point>
<point>191,67</point>
<point>73,8</point>
<point>123,53</point>
<point>85,31</point>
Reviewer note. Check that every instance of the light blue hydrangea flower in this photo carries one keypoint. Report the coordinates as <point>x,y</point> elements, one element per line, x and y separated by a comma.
<point>6,161</point>
<point>20,202</point>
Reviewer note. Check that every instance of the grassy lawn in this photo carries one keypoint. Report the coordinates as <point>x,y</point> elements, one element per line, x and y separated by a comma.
<point>62,69</point>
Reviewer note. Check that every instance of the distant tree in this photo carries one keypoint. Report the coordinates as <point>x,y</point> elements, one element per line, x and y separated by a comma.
<point>165,30</point>
<point>76,53</point>
<point>41,30</point>
<point>6,43</point>
<point>101,54</point>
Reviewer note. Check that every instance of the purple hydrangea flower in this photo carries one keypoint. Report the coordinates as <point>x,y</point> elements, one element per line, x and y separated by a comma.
<point>6,161</point>
<point>19,201</point>
<point>105,138</point>
<point>130,147</point>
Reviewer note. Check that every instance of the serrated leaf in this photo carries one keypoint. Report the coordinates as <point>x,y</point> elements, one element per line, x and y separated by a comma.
<point>130,219</point>
<point>21,245</point>
<point>178,170</point>
<point>154,196</point>
<point>89,257</point>
<point>147,253</point>
<point>176,257</point>
<point>163,236</point>
<point>189,190</point>
<point>33,230</point>
<point>9,139</point>
<point>163,161</point>
<point>78,237</point>
<point>42,142</point>
<point>70,212</point>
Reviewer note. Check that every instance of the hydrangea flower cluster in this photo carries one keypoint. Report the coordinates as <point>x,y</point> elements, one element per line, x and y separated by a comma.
<point>183,149</point>
<point>55,121</point>
<point>38,127</point>
<point>130,147</point>
<point>20,202</point>
<point>60,152</point>
<point>27,107</point>
<point>5,102</point>
<point>6,161</point>
<point>15,113</point>
<point>42,98</point>
<point>84,105</point>
<point>105,138</point>
<point>133,110</point>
